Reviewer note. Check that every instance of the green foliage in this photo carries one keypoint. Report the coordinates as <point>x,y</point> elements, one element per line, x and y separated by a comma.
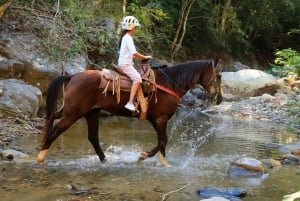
<point>71,30</point>
<point>251,25</point>
<point>287,63</point>
<point>155,24</point>
<point>294,112</point>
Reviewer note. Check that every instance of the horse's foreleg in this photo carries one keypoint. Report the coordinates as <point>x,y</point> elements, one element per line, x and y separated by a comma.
<point>160,126</point>
<point>58,129</point>
<point>92,118</point>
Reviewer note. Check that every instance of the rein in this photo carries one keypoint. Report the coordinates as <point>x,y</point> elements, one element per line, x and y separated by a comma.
<point>214,73</point>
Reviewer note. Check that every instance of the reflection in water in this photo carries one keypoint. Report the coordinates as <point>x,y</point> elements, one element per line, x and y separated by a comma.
<point>200,151</point>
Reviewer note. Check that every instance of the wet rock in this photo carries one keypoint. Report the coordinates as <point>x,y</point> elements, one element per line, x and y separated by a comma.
<point>196,98</point>
<point>197,92</point>
<point>11,154</point>
<point>291,197</point>
<point>290,159</point>
<point>233,194</point>
<point>271,163</point>
<point>75,191</point>
<point>296,152</point>
<point>247,167</point>
<point>229,97</point>
<point>188,99</point>
<point>215,199</point>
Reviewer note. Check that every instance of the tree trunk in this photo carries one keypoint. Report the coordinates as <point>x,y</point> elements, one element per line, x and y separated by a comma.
<point>181,29</point>
<point>225,15</point>
<point>124,8</point>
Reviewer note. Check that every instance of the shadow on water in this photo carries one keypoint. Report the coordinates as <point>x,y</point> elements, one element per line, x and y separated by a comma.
<point>200,151</point>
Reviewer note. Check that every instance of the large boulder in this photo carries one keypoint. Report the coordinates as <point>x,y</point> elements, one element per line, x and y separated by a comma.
<point>23,56</point>
<point>17,97</point>
<point>248,82</point>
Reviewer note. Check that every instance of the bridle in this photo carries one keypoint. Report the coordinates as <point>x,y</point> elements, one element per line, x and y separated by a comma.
<point>214,80</point>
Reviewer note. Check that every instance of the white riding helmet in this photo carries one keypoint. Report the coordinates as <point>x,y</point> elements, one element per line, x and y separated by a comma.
<point>129,22</point>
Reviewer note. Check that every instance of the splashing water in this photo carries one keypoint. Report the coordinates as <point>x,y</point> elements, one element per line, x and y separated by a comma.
<point>200,150</point>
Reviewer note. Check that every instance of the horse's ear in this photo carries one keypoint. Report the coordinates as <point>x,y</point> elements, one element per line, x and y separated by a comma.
<point>217,61</point>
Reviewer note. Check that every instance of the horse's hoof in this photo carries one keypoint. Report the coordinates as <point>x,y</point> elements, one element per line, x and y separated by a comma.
<point>143,156</point>
<point>41,162</point>
<point>163,161</point>
<point>104,161</point>
<point>42,156</point>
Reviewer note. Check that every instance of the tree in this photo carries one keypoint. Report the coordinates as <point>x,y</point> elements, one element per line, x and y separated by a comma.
<point>181,29</point>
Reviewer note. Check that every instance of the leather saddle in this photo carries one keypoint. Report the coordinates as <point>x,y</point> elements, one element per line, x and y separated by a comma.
<point>113,80</point>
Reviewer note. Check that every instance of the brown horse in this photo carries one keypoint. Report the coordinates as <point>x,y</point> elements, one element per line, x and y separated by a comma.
<point>83,98</point>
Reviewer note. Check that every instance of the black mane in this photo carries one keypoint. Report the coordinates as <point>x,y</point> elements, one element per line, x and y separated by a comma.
<point>186,73</point>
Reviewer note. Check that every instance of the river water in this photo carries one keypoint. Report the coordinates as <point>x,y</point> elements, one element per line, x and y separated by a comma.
<point>200,150</point>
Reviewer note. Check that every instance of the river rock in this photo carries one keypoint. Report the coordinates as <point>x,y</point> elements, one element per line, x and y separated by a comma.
<point>11,154</point>
<point>271,163</point>
<point>296,152</point>
<point>215,199</point>
<point>19,98</point>
<point>195,97</point>
<point>290,159</point>
<point>233,194</point>
<point>229,97</point>
<point>248,82</point>
<point>247,167</point>
<point>292,197</point>
<point>188,99</point>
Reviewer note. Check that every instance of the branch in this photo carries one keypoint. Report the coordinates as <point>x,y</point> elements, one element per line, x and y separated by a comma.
<point>166,194</point>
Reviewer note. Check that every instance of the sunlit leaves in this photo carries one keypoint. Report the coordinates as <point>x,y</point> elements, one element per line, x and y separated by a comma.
<point>287,63</point>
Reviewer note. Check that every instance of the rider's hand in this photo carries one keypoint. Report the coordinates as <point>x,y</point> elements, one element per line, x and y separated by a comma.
<point>148,57</point>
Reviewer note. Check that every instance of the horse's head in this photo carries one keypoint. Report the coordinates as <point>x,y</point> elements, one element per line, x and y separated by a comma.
<point>213,82</point>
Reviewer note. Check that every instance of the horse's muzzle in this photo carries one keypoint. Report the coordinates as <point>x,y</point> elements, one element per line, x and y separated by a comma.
<point>217,99</point>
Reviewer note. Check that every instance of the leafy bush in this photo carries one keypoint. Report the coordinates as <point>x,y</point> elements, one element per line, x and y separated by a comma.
<point>69,28</point>
<point>155,25</point>
<point>287,63</point>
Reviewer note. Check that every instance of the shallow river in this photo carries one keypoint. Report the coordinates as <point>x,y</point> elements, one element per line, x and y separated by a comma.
<point>200,151</point>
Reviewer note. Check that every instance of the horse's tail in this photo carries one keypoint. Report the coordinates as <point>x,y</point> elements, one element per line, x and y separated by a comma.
<point>51,103</point>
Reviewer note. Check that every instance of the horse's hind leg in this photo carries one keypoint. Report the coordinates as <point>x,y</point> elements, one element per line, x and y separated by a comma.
<point>57,130</point>
<point>92,118</point>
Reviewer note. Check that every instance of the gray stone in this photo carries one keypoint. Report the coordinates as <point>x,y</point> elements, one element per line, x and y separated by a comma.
<point>19,98</point>
<point>11,154</point>
<point>249,82</point>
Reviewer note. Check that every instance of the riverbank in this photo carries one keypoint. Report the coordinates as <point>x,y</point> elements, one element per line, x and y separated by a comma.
<point>13,129</point>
